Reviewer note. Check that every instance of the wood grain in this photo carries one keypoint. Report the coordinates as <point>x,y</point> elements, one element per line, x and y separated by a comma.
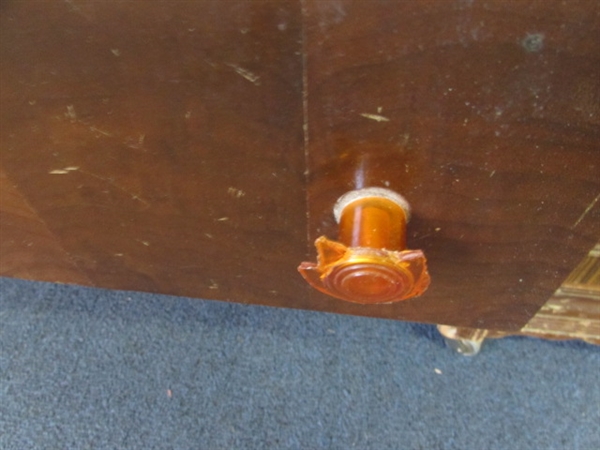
<point>485,115</point>
<point>172,147</point>
<point>160,142</point>
<point>573,312</point>
<point>28,248</point>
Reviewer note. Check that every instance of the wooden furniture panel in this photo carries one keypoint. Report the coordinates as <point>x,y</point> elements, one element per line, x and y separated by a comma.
<point>485,116</point>
<point>159,143</point>
<point>28,248</point>
<point>573,312</point>
<point>197,148</point>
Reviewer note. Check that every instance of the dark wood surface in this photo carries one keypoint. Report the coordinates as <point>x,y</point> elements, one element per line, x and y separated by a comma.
<point>196,148</point>
<point>485,115</point>
<point>183,121</point>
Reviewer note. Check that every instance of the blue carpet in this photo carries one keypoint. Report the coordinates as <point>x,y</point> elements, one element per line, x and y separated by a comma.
<point>87,368</point>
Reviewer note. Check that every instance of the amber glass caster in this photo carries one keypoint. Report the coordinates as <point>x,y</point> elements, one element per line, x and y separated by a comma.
<point>369,264</point>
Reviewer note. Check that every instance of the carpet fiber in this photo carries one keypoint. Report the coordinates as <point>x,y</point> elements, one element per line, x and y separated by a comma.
<point>88,368</point>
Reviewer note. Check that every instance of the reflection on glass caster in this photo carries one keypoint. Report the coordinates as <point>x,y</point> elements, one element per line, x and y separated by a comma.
<point>466,341</point>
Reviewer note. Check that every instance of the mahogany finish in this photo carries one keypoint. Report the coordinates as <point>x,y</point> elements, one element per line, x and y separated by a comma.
<point>486,117</point>
<point>173,146</point>
<point>183,121</point>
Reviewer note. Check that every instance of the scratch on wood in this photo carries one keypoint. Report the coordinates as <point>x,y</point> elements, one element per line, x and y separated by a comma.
<point>375,117</point>
<point>236,193</point>
<point>111,182</point>
<point>100,132</point>
<point>251,77</point>
<point>74,8</point>
<point>63,171</point>
<point>587,210</point>
<point>211,63</point>
<point>71,114</point>
<point>132,143</point>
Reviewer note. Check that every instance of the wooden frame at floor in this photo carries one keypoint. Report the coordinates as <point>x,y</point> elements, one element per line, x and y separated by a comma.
<point>573,312</point>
